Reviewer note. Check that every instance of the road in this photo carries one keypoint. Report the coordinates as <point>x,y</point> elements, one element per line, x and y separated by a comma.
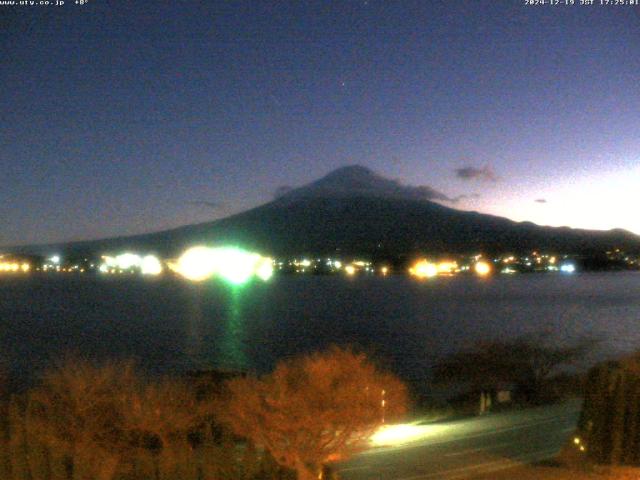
<point>463,448</point>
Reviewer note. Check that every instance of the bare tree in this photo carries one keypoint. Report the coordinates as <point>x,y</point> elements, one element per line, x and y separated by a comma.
<point>98,422</point>
<point>526,361</point>
<point>315,409</point>
<point>160,421</point>
<point>77,413</point>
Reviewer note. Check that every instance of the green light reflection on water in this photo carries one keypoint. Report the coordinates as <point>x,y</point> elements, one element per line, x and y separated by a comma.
<point>194,328</point>
<point>226,349</point>
<point>231,344</point>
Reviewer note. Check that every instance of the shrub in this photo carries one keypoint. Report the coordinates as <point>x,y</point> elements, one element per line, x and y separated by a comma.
<point>314,409</point>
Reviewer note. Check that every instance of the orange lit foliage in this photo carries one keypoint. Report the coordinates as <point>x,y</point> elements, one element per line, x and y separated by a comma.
<point>162,420</point>
<point>103,423</point>
<point>315,409</point>
<point>77,412</point>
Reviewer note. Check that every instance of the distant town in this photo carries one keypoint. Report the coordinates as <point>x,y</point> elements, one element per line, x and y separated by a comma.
<point>238,265</point>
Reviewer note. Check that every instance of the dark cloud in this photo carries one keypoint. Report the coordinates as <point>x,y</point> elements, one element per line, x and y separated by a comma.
<point>540,200</point>
<point>385,187</point>
<point>472,173</point>
<point>424,192</point>
<point>465,197</point>
<point>358,180</point>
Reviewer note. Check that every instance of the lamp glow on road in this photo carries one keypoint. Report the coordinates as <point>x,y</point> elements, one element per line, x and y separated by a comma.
<point>404,433</point>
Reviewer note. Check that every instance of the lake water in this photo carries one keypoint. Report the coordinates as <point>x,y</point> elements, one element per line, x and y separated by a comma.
<point>172,326</point>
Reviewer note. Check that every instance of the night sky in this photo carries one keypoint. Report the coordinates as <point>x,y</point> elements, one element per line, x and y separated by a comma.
<point>127,117</point>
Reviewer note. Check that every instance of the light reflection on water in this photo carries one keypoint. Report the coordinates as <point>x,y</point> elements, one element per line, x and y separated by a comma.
<point>175,326</point>
<point>232,355</point>
<point>194,319</point>
<point>226,349</point>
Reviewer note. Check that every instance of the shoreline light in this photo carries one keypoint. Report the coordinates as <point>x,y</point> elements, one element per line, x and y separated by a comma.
<point>232,264</point>
<point>150,265</point>
<point>127,260</point>
<point>265,269</point>
<point>448,267</point>
<point>196,264</point>
<point>482,268</point>
<point>235,265</point>
<point>424,269</point>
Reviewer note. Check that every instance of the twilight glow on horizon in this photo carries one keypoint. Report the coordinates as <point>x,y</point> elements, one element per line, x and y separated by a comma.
<point>121,119</point>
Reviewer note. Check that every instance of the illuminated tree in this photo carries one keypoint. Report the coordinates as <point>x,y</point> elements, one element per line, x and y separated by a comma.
<point>77,414</point>
<point>315,409</point>
<point>162,422</point>
<point>98,422</point>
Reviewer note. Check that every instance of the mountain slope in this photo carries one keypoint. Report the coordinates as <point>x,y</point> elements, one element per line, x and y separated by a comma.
<point>355,211</point>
